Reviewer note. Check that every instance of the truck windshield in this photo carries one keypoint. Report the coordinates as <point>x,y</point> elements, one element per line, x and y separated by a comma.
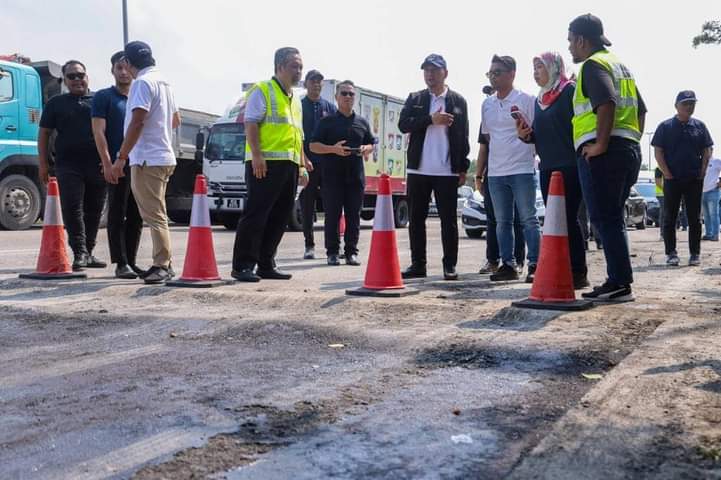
<point>226,142</point>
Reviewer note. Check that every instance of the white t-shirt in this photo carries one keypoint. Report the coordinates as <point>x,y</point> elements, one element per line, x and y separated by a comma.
<point>153,94</point>
<point>435,157</point>
<point>507,154</point>
<point>710,181</point>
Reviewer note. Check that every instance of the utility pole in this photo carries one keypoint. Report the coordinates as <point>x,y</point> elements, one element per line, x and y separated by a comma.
<point>125,22</point>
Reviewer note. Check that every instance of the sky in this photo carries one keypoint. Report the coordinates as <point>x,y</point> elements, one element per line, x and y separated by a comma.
<point>208,49</point>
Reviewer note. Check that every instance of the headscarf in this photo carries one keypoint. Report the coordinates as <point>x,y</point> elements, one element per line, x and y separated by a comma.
<point>557,79</point>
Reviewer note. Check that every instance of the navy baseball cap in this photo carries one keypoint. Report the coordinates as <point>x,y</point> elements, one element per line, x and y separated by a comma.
<point>138,52</point>
<point>589,26</point>
<point>435,60</point>
<point>686,96</point>
<point>313,75</point>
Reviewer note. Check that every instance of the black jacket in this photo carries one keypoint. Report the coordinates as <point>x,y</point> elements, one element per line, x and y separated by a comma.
<point>415,119</point>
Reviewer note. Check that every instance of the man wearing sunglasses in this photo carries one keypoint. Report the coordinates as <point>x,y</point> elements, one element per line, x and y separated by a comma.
<point>343,139</point>
<point>77,164</point>
<point>437,120</point>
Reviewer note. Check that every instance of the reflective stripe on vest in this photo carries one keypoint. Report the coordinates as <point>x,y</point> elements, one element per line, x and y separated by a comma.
<point>625,123</point>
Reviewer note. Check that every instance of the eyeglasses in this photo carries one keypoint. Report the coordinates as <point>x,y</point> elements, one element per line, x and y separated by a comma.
<point>75,76</point>
<point>496,73</point>
<point>347,94</point>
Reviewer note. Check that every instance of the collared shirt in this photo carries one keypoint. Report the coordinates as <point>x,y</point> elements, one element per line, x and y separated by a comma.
<point>255,106</point>
<point>507,154</point>
<point>356,131</point>
<point>69,116</point>
<point>109,104</point>
<point>683,145</point>
<point>313,112</point>
<point>152,93</point>
<point>435,157</point>
<point>713,172</point>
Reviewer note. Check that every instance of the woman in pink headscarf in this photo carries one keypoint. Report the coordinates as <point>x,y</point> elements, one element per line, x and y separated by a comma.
<point>552,133</point>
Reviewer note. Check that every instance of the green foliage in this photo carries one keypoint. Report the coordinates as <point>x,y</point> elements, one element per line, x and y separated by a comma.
<point>710,34</point>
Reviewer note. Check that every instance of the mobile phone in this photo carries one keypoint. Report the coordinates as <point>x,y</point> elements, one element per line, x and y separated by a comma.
<point>355,150</point>
<point>518,115</point>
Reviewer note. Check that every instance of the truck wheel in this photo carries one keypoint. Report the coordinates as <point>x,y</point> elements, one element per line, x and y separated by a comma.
<point>229,220</point>
<point>642,225</point>
<point>401,212</point>
<point>181,217</point>
<point>367,214</point>
<point>295,222</point>
<point>20,201</point>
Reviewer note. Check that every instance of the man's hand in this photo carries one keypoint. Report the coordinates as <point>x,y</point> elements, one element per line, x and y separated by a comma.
<point>117,170</point>
<point>442,118</point>
<point>260,168</point>
<point>340,149</point>
<point>43,172</point>
<point>303,178</point>
<point>593,150</point>
<point>461,179</point>
<point>478,184</point>
<point>524,131</point>
<point>366,150</point>
<point>308,165</point>
<point>108,173</point>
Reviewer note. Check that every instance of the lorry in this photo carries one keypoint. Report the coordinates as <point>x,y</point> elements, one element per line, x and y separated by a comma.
<point>25,87</point>
<point>224,156</point>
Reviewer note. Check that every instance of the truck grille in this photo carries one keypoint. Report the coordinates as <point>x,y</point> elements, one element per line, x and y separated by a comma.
<point>227,187</point>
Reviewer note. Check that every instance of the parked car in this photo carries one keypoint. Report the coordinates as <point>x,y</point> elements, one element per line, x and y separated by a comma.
<point>635,211</point>
<point>647,189</point>
<point>473,215</point>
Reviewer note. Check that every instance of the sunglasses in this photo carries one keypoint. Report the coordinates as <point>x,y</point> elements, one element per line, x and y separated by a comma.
<point>347,94</point>
<point>75,76</point>
<point>496,73</point>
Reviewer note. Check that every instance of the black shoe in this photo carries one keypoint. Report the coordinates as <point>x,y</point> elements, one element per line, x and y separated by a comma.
<point>80,262</point>
<point>157,275</point>
<point>309,253</point>
<point>352,260</point>
<point>610,293</point>
<point>449,273</point>
<point>333,260</point>
<point>531,273</point>
<point>138,271</point>
<point>580,281</point>
<point>505,274</point>
<point>414,271</point>
<point>489,267</point>
<point>273,274</point>
<point>245,275</point>
<point>125,272</point>
<point>93,262</point>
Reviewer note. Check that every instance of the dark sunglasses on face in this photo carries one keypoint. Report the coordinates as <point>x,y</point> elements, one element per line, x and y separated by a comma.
<point>347,94</point>
<point>75,76</point>
<point>495,73</point>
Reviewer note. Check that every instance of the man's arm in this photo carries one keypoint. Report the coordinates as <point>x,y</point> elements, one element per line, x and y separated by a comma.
<point>707,152</point>
<point>481,166</point>
<point>101,144</point>
<point>661,161</point>
<point>132,135</point>
<point>43,141</point>
<point>176,120</point>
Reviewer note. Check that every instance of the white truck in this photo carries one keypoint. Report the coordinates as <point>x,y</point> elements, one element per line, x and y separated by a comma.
<point>224,156</point>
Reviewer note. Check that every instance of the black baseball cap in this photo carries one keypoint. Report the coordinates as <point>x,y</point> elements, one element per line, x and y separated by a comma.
<point>435,60</point>
<point>589,26</point>
<point>686,96</point>
<point>138,53</point>
<point>313,75</point>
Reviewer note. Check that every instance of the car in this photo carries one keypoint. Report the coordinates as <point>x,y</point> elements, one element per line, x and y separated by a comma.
<point>635,212</point>
<point>464,191</point>
<point>647,189</point>
<point>473,214</point>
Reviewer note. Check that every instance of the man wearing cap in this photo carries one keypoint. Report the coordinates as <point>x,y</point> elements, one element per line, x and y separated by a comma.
<point>274,164</point>
<point>124,221</point>
<point>682,146</point>
<point>150,118</point>
<point>314,109</point>
<point>607,124</point>
<point>437,120</point>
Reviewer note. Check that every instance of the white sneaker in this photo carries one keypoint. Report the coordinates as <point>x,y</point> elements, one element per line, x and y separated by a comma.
<point>673,260</point>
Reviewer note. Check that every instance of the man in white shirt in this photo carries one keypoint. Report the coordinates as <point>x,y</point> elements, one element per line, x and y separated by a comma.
<point>507,164</point>
<point>710,200</point>
<point>151,116</point>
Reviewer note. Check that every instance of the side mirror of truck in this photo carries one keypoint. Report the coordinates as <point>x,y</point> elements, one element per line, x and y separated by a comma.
<point>199,147</point>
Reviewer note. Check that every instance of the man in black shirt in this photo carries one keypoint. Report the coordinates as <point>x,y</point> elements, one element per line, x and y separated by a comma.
<point>344,138</point>
<point>77,164</point>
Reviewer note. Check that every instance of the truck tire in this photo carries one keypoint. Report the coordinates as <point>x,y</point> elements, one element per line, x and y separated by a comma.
<point>20,202</point>
<point>368,214</point>
<point>181,217</point>
<point>295,222</point>
<point>401,212</point>
<point>230,220</point>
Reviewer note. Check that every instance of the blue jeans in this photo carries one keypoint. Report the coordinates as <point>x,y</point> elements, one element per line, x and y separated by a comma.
<point>606,181</point>
<point>710,205</point>
<point>519,190</point>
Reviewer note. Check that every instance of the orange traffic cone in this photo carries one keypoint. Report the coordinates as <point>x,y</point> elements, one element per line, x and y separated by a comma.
<point>383,275</point>
<point>200,269</point>
<point>553,283</point>
<point>53,261</point>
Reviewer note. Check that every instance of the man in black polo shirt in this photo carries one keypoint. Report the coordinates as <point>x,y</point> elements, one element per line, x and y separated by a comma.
<point>314,108</point>
<point>77,164</point>
<point>343,138</point>
<point>682,146</point>
<point>124,221</point>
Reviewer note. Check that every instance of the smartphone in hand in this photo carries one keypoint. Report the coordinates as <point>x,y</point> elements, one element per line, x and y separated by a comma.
<point>518,115</point>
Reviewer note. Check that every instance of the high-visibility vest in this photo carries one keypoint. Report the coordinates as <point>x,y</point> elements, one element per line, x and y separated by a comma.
<point>281,131</point>
<point>625,122</point>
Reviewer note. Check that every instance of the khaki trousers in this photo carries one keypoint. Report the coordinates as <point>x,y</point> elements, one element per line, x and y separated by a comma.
<point>149,184</point>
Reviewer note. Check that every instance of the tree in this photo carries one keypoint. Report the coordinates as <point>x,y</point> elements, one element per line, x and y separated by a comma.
<point>710,34</point>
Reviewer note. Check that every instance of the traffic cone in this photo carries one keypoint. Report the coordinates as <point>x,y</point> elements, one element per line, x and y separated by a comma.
<point>53,261</point>
<point>200,269</point>
<point>553,283</point>
<point>383,275</point>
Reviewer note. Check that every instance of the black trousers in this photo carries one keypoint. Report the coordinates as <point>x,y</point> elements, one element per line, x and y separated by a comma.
<point>690,191</point>
<point>493,254</point>
<point>341,195</point>
<point>262,225</point>
<point>82,198</point>
<point>445,191</point>
<point>574,195</point>
<point>308,198</point>
<point>124,222</point>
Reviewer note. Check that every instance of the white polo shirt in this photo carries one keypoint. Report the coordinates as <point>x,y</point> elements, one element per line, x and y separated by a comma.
<point>153,94</point>
<point>435,158</point>
<point>507,154</point>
